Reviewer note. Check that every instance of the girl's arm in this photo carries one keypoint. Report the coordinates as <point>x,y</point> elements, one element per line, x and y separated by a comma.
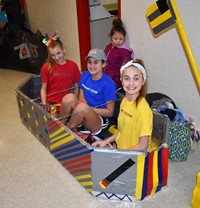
<point>107,142</point>
<point>81,96</point>
<point>143,144</point>
<point>126,56</point>
<point>108,111</point>
<point>76,89</point>
<point>43,93</point>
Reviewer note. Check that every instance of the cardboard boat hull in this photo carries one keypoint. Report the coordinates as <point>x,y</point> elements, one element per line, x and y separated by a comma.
<point>108,173</point>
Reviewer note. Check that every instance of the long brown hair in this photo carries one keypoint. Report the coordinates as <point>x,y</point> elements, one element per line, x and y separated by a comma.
<point>49,59</point>
<point>143,90</point>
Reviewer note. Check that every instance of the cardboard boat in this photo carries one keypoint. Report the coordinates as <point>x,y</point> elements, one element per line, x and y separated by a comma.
<point>108,173</point>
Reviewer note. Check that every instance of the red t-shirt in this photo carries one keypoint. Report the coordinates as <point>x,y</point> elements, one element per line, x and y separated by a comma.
<point>59,80</point>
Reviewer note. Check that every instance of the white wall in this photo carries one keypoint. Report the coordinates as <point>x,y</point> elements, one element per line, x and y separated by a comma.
<point>49,16</point>
<point>168,69</point>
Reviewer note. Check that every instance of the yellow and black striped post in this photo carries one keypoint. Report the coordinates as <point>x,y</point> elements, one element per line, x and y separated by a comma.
<point>160,16</point>
<point>163,14</point>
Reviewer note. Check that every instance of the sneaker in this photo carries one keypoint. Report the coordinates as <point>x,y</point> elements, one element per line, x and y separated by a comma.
<point>105,123</point>
<point>98,136</point>
<point>83,130</point>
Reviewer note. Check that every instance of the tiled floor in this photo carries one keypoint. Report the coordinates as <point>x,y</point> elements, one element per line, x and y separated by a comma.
<point>31,178</point>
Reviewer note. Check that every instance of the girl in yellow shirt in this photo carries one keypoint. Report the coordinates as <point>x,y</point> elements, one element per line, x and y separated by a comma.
<point>135,120</point>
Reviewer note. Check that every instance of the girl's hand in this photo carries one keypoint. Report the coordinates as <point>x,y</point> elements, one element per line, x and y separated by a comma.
<point>112,146</point>
<point>100,144</point>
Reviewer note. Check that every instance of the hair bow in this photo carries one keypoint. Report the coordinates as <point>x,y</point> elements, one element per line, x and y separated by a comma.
<point>48,40</point>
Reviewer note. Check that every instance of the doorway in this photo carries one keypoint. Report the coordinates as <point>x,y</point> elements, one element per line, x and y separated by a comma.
<point>84,27</point>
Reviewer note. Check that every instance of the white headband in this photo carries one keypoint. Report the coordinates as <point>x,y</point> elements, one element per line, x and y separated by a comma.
<point>138,66</point>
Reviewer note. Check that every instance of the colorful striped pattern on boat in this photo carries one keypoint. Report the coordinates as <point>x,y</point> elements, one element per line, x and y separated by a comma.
<point>152,173</point>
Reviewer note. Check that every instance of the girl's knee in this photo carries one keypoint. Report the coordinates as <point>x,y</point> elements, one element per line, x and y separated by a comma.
<point>69,99</point>
<point>81,107</point>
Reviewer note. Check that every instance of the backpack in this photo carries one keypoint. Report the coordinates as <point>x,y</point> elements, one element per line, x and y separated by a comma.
<point>21,49</point>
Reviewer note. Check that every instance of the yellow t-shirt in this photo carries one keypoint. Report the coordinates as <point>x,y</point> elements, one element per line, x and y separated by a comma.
<point>134,122</point>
